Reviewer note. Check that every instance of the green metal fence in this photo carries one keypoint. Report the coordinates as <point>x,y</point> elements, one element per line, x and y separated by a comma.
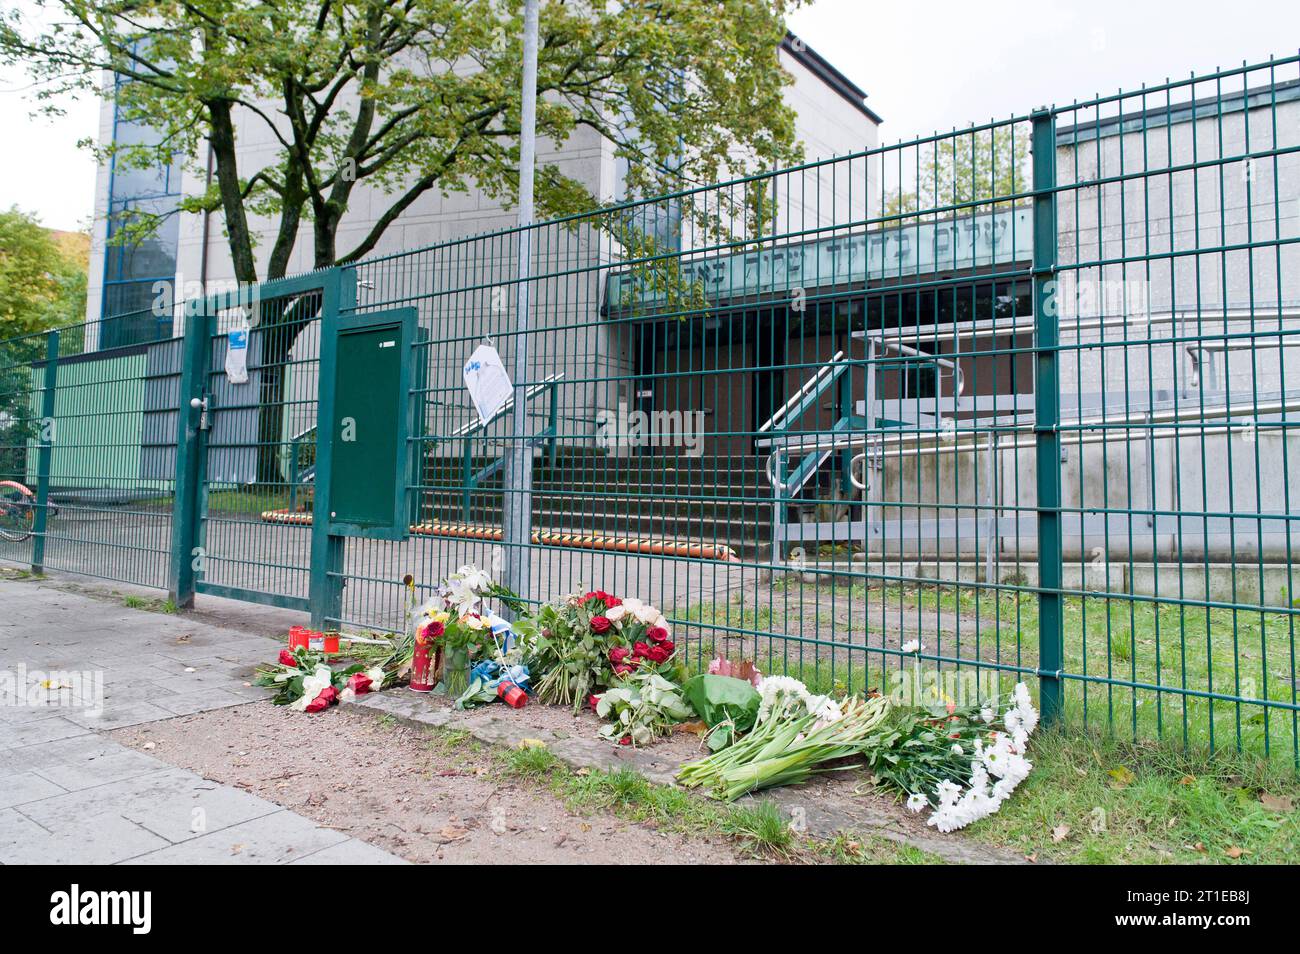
<point>1005,403</point>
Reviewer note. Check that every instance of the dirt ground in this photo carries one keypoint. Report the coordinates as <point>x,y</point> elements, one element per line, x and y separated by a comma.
<point>397,787</point>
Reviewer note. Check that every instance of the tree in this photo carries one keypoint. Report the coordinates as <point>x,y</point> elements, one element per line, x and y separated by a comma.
<point>410,96</point>
<point>959,174</point>
<point>42,286</point>
<point>365,91</point>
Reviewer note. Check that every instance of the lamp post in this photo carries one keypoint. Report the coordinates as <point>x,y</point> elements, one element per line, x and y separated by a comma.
<point>517,504</point>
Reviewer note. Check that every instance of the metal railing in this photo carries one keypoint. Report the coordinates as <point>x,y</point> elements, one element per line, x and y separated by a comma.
<point>1017,479</point>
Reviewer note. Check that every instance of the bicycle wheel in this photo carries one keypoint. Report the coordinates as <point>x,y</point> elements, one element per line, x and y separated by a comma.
<point>17,514</point>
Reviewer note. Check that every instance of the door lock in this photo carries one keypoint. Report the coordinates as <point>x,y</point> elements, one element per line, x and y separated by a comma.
<point>201,405</point>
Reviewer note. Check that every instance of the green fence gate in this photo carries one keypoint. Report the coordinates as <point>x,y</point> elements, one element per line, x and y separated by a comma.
<point>1010,402</point>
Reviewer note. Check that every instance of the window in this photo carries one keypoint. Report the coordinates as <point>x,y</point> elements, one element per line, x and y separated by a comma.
<point>139,276</point>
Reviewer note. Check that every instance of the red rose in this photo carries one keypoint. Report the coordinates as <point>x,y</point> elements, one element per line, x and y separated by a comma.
<point>328,696</point>
<point>618,654</point>
<point>288,659</point>
<point>592,701</point>
<point>622,669</point>
<point>667,646</point>
<point>612,601</point>
<point>593,595</point>
<point>431,630</point>
<point>600,624</point>
<point>658,654</point>
<point>657,633</point>
<point>640,649</point>
<point>359,683</point>
<point>626,740</point>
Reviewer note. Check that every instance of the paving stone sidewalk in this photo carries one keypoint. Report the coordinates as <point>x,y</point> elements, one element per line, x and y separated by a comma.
<point>69,794</point>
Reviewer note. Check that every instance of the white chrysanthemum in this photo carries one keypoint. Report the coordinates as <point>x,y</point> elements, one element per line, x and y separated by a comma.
<point>917,802</point>
<point>780,695</point>
<point>947,792</point>
<point>824,709</point>
<point>957,749</point>
<point>376,675</point>
<point>912,646</point>
<point>988,715</point>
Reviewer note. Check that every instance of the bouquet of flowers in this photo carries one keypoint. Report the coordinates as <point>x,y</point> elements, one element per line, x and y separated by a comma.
<point>963,762</point>
<point>795,733</point>
<point>456,624</point>
<point>302,680</point>
<point>587,643</point>
<point>642,706</point>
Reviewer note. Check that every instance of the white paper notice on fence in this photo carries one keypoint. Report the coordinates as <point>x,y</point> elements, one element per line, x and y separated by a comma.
<point>237,355</point>
<point>487,381</point>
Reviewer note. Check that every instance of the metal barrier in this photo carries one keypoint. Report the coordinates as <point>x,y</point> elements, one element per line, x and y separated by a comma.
<point>1007,402</point>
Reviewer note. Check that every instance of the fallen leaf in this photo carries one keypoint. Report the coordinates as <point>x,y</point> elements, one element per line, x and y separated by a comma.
<point>531,744</point>
<point>697,727</point>
<point>1032,858</point>
<point>1276,803</point>
<point>236,849</point>
<point>1060,833</point>
<point>1199,846</point>
<point>453,832</point>
<point>1121,777</point>
<point>1187,780</point>
<point>1235,852</point>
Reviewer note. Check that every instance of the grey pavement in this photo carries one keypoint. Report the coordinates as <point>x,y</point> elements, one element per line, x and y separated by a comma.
<point>70,794</point>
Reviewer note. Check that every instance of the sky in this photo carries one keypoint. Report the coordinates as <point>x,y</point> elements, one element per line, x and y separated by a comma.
<point>925,66</point>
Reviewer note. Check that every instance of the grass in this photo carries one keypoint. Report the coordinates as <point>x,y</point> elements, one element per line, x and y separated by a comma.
<point>150,604</point>
<point>1090,799</point>
<point>1239,653</point>
<point>1096,800</point>
<point>761,830</point>
<point>851,848</point>
<point>252,501</point>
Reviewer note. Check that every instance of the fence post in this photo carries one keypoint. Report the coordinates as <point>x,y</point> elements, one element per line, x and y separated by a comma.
<point>195,348</point>
<point>1047,417</point>
<point>325,577</point>
<point>48,436</point>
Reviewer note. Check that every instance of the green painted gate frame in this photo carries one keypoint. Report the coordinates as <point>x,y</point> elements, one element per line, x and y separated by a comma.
<point>337,286</point>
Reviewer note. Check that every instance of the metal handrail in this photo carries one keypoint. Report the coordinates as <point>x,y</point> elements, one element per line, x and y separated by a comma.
<point>533,390</point>
<point>833,442</point>
<point>904,349</point>
<point>807,386</point>
<point>471,479</point>
<point>295,443</point>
